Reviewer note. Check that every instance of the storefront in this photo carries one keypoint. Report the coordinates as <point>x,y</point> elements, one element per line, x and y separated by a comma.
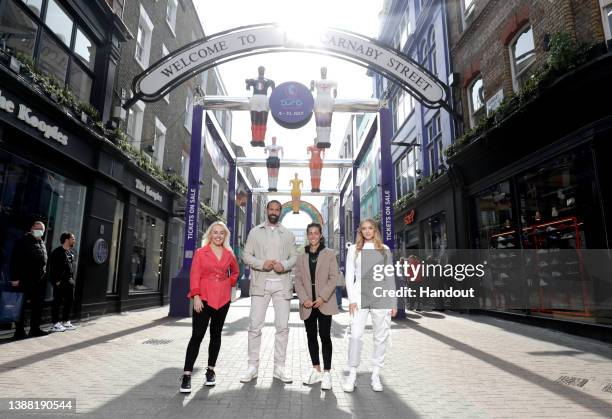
<point>427,223</point>
<point>56,169</point>
<point>545,191</point>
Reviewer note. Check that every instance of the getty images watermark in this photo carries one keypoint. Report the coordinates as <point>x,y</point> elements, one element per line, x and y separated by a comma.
<point>523,279</point>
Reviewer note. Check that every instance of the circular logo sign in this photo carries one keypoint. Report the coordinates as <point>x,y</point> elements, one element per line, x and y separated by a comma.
<point>291,104</point>
<point>100,251</point>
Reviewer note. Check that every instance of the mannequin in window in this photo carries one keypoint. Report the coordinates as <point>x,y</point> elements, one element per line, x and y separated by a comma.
<point>324,107</point>
<point>316,165</point>
<point>273,163</point>
<point>259,106</point>
<point>296,193</point>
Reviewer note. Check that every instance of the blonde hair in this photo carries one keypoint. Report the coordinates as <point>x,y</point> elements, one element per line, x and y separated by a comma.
<point>208,234</point>
<point>378,242</point>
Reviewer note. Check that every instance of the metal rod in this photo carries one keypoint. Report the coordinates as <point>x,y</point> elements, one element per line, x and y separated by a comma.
<point>230,103</point>
<point>261,162</point>
<point>323,193</point>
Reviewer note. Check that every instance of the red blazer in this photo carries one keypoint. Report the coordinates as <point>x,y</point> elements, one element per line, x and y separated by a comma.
<point>213,279</point>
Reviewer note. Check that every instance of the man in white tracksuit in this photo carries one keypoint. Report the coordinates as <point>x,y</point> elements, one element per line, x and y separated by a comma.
<point>381,318</point>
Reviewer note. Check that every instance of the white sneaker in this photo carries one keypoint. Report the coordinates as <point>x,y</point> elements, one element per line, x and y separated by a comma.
<point>376,384</point>
<point>326,383</point>
<point>349,384</point>
<point>69,326</point>
<point>249,375</point>
<point>57,327</point>
<point>279,373</point>
<point>313,377</point>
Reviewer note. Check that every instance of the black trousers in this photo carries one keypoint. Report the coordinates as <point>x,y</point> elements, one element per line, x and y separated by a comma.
<point>199,326</point>
<point>62,293</point>
<point>325,335</point>
<point>36,295</point>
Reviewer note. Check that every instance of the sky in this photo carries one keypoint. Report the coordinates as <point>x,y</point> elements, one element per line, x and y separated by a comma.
<point>360,16</point>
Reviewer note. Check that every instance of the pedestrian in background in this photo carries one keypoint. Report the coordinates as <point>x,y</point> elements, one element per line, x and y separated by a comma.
<point>214,271</point>
<point>316,275</point>
<point>61,275</point>
<point>27,269</point>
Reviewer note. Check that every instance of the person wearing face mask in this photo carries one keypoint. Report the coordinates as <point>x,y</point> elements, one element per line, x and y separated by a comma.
<point>27,270</point>
<point>61,276</point>
<point>271,254</point>
<point>214,271</point>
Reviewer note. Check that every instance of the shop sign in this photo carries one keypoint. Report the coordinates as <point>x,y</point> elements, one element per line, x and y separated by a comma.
<point>409,218</point>
<point>153,194</point>
<point>100,251</point>
<point>185,62</point>
<point>25,114</point>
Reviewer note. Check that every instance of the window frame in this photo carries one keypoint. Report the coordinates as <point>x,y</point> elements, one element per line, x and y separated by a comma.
<point>431,51</point>
<point>172,23</point>
<point>145,20</point>
<point>475,112</point>
<point>516,86</point>
<point>159,142</point>
<point>44,30</point>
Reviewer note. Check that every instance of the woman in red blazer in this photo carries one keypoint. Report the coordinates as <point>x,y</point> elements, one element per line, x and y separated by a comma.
<point>214,271</point>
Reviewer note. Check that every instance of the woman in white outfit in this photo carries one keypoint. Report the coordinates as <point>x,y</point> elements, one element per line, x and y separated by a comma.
<point>368,237</point>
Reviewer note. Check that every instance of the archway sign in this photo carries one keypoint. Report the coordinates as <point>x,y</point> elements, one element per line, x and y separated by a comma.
<point>307,207</point>
<point>179,66</point>
<point>172,70</point>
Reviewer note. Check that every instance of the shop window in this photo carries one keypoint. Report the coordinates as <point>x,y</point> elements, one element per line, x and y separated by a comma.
<point>32,192</point>
<point>147,252</point>
<point>59,22</point>
<point>17,30</point>
<point>435,234</point>
<point>522,56</point>
<point>143,39</point>
<point>476,101</point>
<point>171,10</point>
<point>496,228</point>
<point>115,249</point>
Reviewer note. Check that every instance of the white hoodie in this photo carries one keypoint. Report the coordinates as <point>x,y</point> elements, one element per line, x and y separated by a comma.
<point>353,273</point>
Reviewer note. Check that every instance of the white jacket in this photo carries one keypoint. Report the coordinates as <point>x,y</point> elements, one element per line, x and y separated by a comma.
<point>353,273</point>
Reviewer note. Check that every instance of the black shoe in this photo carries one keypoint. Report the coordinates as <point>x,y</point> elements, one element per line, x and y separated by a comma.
<point>185,384</point>
<point>19,335</point>
<point>37,333</point>
<point>210,377</point>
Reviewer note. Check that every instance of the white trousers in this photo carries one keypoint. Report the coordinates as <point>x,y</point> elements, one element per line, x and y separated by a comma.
<point>381,323</point>
<point>259,306</point>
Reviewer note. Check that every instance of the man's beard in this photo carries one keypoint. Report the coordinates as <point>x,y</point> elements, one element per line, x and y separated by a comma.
<point>272,218</point>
